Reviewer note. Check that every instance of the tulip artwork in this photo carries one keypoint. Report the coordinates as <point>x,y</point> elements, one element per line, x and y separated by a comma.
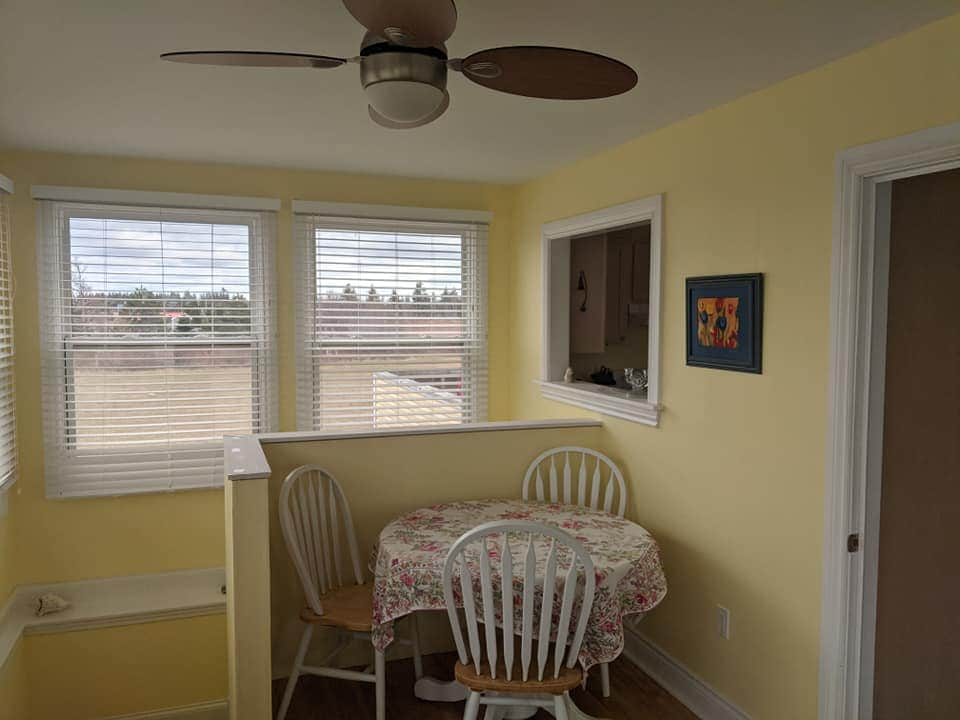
<point>725,322</point>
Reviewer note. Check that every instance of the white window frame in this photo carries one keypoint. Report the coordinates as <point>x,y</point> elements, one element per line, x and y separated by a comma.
<point>116,204</point>
<point>10,478</point>
<point>305,260</point>
<point>555,319</point>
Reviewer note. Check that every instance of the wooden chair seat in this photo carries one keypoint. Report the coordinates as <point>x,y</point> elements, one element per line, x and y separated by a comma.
<point>482,682</point>
<point>349,607</point>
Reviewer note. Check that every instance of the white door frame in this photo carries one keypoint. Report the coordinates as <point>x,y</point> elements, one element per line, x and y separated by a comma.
<point>855,421</point>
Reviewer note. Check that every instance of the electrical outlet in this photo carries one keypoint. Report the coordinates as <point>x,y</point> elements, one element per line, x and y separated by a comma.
<point>723,622</point>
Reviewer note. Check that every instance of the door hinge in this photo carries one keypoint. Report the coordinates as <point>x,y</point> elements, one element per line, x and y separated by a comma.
<point>853,542</point>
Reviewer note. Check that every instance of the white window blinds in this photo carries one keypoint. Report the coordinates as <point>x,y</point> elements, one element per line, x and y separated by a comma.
<point>391,322</point>
<point>158,337</point>
<point>8,423</point>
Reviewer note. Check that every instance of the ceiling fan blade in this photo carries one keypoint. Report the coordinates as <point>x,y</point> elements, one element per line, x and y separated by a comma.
<point>254,58</point>
<point>394,125</point>
<point>417,23</point>
<point>548,72</point>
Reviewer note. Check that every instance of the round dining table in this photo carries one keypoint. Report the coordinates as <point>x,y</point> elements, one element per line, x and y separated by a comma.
<point>408,561</point>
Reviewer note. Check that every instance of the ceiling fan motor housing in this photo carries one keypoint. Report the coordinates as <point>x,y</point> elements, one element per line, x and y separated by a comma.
<point>404,84</point>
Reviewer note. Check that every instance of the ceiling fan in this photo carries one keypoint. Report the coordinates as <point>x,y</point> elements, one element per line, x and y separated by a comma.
<point>403,63</point>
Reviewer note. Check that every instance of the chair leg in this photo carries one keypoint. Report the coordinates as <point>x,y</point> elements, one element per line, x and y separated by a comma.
<point>295,671</point>
<point>415,641</point>
<point>605,679</point>
<point>379,664</point>
<point>560,707</point>
<point>472,708</point>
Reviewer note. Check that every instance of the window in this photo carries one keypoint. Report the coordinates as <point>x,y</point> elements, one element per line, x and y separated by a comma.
<point>601,300</point>
<point>391,322</point>
<point>158,340</point>
<point>8,424</point>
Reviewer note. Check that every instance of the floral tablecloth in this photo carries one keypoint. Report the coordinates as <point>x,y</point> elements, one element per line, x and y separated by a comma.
<point>408,565</point>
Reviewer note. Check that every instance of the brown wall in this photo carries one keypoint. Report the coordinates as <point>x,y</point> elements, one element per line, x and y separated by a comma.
<point>617,265</point>
<point>587,326</point>
<point>918,605</point>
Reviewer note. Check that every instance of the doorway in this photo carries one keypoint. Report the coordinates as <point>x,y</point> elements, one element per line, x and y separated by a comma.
<point>884,461</point>
<point>916,648</point>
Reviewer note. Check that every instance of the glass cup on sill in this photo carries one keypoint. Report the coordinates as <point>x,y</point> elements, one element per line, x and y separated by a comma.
<point>638,380</point>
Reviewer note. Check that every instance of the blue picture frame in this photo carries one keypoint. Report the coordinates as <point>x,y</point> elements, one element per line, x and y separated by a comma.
<point>725,322</point>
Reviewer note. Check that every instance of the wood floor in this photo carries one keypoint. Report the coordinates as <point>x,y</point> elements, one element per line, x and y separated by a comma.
<point>635,696</point>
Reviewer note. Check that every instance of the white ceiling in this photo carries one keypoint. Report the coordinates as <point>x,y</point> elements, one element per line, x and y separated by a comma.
<point>84,77</point>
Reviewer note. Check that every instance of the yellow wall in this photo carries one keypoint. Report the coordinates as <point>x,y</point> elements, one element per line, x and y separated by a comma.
<point>66,540</point>
<point>385,477</point>
<point>7,549</point>
<point>732,484</point>
<point>49,541</point>
<point>90,674</point>
<point>13,685</point>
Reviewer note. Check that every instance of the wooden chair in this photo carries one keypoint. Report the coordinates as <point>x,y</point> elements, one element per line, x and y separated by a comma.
<point>605,482</point>
<point>316,523</point>
<point>506,668</point>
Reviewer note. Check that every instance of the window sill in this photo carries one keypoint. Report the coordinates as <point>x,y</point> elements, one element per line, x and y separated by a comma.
<point>615,402</point>
<point>65,493</point>
<point>113,602</point>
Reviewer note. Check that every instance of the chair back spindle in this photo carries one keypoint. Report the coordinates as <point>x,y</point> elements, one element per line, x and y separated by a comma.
<point>598,489</point>
<point>316,523</point>
<point>470,558</point>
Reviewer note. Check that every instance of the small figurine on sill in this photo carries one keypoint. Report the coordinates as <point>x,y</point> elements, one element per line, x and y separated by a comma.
<point>49,603</point>
<point>568,375</point>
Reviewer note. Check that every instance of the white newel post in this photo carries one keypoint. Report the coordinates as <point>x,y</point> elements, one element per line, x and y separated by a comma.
<point>248,579</point>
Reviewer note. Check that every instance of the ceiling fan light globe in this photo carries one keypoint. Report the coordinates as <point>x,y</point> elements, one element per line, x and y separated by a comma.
<point>404,101</point>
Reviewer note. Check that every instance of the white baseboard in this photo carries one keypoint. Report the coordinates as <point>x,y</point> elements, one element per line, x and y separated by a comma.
<point>686,687</point>
<point>203,711</point>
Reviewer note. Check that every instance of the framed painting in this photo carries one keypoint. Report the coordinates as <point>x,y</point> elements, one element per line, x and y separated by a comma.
<point>725,322</point>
